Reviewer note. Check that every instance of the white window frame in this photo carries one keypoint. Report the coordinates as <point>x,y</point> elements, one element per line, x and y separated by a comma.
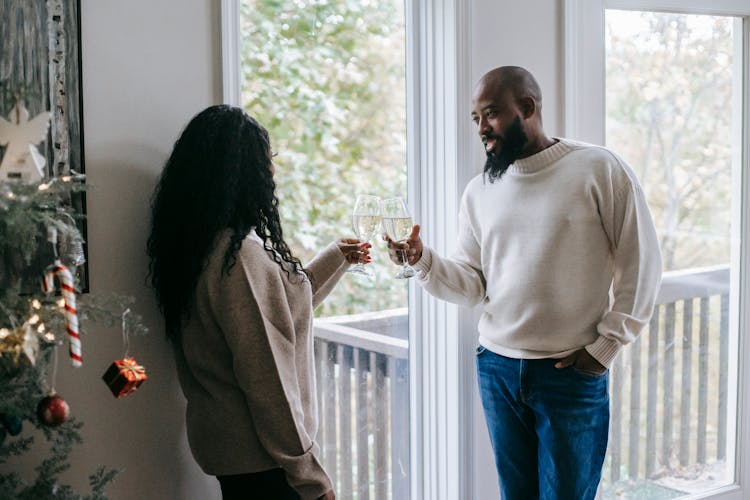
<point>585,120</point>
<point>438,147</point>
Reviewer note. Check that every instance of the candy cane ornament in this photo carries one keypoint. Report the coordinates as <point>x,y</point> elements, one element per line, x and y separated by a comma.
<point>65,278</point>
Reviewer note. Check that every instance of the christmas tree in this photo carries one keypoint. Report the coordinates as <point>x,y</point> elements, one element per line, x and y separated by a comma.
<point>43,314</point>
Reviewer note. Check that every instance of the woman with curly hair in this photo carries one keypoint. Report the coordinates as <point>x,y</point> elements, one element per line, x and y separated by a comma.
<point>238,309</point>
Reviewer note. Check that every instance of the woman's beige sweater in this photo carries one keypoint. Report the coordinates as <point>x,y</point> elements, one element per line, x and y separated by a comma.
<point>245,364</point>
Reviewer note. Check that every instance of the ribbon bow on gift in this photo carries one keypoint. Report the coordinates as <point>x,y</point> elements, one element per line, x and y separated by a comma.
<point>124,376</point>
<point>131,366</point>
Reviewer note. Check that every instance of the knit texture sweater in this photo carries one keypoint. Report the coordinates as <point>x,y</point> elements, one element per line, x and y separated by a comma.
<point>561,252</point>
<point>245,365</point>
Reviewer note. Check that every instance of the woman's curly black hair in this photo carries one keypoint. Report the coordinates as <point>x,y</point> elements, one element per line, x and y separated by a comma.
<point>219,176</point>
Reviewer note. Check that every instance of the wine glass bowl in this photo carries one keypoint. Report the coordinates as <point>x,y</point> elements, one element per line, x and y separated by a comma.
<point>366,218</point>
<point>397,224</point>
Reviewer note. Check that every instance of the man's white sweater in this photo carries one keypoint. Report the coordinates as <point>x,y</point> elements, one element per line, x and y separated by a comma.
<point>543,247</point>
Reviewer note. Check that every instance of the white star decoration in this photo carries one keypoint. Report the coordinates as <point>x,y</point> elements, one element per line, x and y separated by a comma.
<point>22,161</point>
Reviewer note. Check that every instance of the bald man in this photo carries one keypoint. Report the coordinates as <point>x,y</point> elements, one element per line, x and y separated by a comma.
<point>558,245</point>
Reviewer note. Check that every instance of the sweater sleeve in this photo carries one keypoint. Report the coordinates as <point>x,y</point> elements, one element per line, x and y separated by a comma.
<point>458,279</point>
<point>255,317</point>
<point>326,270</point>
<point>637,272</point>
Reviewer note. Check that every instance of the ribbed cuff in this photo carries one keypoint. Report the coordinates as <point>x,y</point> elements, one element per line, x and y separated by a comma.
<point>604,350</point>
<point>312,493</point>
<point>425,263</point>
<point>327,261</point>
<point>307,476</point>
<point>334,253</point>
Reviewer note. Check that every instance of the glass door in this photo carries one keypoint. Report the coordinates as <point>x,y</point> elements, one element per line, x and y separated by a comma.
<point>674,104</point>
<point>328,80</point>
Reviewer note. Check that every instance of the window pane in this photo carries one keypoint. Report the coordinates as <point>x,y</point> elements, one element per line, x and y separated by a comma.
<point>328,79</point>
<point>671,113</point>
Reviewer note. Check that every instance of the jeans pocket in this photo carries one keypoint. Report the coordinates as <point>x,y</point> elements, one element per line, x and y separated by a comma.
<point>589,374</point>
<point>480,350</point>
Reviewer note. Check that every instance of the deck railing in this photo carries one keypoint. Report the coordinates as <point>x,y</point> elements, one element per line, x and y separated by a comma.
<point>679,364</point>
<point>363,395</point>
<point>668,392</point>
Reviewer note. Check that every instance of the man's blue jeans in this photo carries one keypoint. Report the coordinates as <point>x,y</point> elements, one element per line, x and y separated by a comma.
<point>548,426</point>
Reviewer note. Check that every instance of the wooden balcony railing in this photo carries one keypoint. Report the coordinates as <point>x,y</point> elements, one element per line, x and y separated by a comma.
<point>669,389</point>
<point>668,392</point>
<point>363,395</point>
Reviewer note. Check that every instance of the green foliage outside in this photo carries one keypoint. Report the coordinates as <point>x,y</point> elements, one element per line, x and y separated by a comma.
<point>327,79</point>
<point>669,114</point>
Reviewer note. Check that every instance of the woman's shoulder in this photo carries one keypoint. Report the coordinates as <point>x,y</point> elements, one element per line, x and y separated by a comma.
<point>251,252</point>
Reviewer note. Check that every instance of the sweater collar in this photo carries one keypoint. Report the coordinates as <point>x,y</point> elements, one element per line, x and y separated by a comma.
<point>253,236</point>
<point>542,159</point>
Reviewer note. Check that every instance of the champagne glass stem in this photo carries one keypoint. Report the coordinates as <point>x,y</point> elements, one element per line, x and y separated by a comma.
<point>406,271</point>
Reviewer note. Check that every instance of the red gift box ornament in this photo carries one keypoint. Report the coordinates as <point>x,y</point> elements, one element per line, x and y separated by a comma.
<point>124,376</point>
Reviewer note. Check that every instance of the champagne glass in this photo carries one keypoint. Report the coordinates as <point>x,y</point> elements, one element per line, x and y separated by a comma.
<point>397,224</point>
<point>365,222</point>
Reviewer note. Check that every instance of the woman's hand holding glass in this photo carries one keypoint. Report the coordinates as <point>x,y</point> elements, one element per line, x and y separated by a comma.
<point>355,251</point>
<point>366,218</point>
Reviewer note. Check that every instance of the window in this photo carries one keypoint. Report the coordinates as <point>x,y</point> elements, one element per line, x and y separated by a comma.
<point>669,108</point>
<point>671,102</point>
<point>328,81</point>
<point>439,434</point>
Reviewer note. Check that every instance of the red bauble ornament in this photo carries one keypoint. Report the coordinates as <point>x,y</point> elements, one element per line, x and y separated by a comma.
<point>52,410</point>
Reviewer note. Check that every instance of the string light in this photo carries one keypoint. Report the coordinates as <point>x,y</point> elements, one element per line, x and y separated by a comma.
<point>34,319</point>
<point>40,328</point>
<point>36,304</point>
<point>4,332</point>
<point>60,302</point>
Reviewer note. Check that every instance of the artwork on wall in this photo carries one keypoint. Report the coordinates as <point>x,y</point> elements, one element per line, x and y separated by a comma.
<point>40,71</point>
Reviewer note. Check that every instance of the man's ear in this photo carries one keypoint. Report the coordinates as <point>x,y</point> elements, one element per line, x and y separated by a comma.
<point>528,106</point>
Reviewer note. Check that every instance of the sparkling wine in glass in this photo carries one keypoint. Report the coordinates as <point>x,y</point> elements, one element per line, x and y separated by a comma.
<point>397,224</point>
<point>366,219</point>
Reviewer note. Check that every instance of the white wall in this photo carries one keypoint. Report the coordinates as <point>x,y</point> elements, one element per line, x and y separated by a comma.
<point>148,67</point>
<point>528,34</point>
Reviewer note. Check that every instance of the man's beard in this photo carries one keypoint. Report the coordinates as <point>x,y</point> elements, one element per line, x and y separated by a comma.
<point>513,142</point>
